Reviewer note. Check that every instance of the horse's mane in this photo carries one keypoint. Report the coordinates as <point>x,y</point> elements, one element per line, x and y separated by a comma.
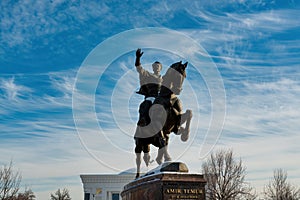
<point>179,67</point>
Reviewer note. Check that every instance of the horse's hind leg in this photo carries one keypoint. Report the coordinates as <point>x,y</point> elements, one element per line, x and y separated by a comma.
<point>139,161</point>
<point>146,149</point>
<point>138,164</point>
<point>167,156</point>
<point>138,152</point>
<point>146,158</point>
<point>160,155</point>
<point>163,153</point>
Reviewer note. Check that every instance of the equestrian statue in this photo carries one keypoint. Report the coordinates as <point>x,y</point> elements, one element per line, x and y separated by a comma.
<point>161,111</point>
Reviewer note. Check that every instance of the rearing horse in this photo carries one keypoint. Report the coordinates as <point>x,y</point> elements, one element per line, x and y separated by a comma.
<point>165,117</point>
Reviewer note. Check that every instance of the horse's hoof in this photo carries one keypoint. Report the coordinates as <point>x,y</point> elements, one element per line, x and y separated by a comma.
<point>168,159</point>
<point>185,135</point>
<point>159,161</point>
<point>137,175</point>
<point>190,113</point>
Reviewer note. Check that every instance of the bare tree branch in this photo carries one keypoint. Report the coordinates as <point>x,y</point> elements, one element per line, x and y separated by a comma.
<point>61,195</point>
<point>225,178</point>
<point>279,188</point>
<point>9,182</point>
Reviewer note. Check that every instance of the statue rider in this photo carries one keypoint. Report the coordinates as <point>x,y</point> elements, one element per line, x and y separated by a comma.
<point>150,84</point>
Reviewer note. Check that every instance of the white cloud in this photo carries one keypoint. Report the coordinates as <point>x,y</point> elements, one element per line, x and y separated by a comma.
<point>12,90</point>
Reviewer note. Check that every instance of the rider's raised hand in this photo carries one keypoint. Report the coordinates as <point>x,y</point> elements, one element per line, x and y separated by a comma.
<point>139,53</point>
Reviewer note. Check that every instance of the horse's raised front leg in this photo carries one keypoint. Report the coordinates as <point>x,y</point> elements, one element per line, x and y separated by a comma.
<point>185,132</point>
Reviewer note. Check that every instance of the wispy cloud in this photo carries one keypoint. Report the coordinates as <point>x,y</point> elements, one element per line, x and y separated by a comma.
<point>37,131</point>
<point>13,91</point>
<point>22,21</point>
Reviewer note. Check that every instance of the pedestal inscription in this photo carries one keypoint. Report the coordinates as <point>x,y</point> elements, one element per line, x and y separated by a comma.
<point>182,191</point>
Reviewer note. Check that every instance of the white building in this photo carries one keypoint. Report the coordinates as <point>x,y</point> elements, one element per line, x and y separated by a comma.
<point>105,186</point>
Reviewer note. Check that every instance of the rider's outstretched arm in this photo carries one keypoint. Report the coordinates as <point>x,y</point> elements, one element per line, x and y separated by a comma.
<point>143,73</point>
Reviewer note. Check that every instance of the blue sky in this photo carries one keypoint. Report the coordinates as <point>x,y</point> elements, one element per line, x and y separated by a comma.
<point>244,94</point>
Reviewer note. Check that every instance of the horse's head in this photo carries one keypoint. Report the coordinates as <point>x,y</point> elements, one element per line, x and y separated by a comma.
<point>173,79</point>
<point>179,67</point>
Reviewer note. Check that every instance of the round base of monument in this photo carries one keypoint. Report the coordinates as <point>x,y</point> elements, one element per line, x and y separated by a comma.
<point>170,181</point>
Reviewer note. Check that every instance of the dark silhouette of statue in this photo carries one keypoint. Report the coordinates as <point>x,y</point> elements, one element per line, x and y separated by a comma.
<point>161,111</point>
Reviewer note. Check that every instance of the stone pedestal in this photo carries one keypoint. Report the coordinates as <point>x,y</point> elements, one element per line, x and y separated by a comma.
<point>166,185</point>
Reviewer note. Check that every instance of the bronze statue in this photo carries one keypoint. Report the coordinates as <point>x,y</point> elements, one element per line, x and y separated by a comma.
<point>161,111</point>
